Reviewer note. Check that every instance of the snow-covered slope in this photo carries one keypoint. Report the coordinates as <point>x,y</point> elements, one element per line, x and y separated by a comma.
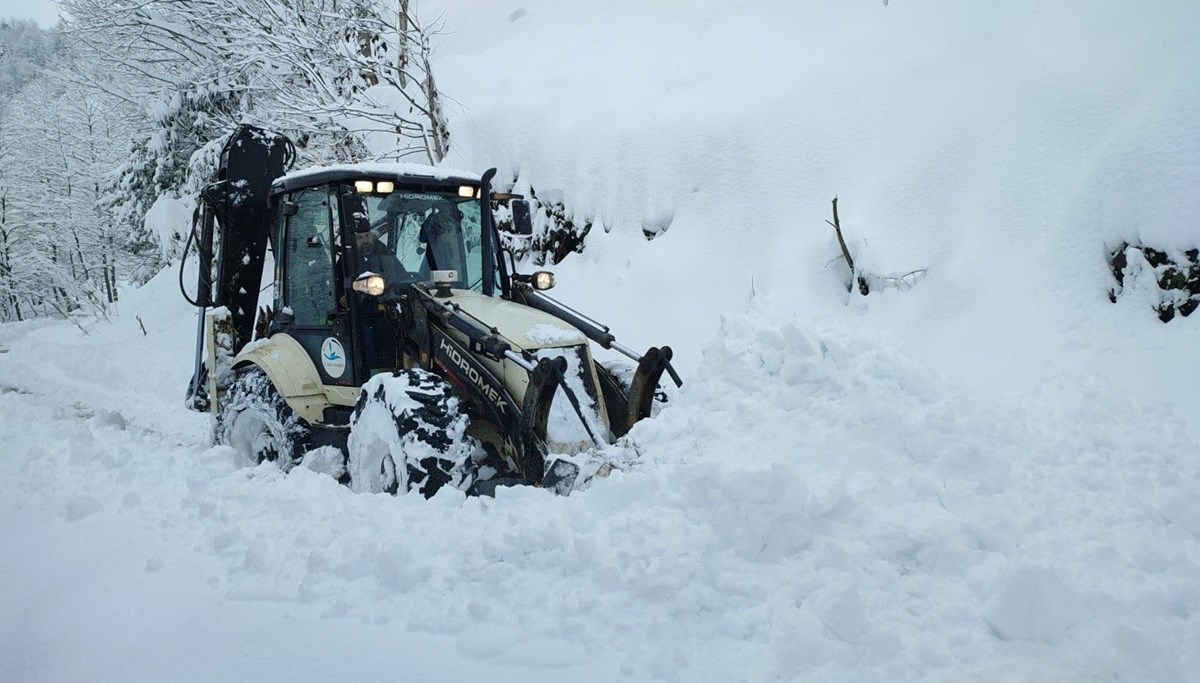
<point>989,476</point>
<point>1001,146</point>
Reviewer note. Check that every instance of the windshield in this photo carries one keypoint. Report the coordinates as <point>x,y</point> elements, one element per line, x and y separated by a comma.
<point>413,233</point>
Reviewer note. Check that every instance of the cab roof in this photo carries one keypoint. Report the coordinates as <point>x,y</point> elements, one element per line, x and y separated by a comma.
<point>400,173</point>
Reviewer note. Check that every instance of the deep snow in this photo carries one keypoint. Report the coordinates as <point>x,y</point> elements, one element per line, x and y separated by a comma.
<point>815,505</point>
<point>1001,146</point>
<point>988,476</point>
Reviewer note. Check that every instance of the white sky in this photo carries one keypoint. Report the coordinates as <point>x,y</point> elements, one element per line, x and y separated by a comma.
<point>45,12</point>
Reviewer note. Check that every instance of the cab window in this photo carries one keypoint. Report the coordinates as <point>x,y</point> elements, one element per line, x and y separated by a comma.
<point>308,259</point>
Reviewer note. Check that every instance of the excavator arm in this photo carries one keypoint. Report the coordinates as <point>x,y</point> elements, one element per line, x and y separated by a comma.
<point>230,232</point>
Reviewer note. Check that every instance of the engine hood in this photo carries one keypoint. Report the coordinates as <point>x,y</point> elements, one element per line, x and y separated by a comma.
<point>524,327</point>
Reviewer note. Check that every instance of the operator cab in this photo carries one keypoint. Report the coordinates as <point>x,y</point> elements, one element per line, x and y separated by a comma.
<point>349,243</point>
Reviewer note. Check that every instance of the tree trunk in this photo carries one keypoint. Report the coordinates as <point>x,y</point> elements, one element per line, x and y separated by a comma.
<point>104,269</point>
<point>402,62</point>
<point>82,260</point>
<point>440,145</point>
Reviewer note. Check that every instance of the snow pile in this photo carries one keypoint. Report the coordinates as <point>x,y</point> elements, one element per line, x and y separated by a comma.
<point>938,529</point>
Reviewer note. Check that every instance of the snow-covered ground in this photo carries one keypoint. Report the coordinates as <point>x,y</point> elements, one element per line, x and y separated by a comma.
<point>990,476</point>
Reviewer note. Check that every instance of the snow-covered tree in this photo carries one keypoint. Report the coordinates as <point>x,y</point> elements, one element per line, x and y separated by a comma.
<point>130,102</point>
<point>59,142</point>
<point>330,73</point>
<point>25,50</point>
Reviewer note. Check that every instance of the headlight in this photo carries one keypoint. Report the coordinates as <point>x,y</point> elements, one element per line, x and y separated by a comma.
<point>370,284</point>
<point>543,280</point>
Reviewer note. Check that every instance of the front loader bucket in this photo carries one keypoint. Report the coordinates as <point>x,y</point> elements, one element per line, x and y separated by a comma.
<point>650,369</point>
<point>626,407</point>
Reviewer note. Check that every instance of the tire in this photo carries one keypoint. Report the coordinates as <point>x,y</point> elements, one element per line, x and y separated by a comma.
<point>407,433</point>
<point>259,424</point>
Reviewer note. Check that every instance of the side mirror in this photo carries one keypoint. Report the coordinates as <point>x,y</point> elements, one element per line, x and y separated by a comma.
<point>522,223</point>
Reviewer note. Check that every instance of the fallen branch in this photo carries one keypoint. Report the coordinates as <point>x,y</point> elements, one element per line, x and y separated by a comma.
<point>837,227</point>
<point>902,282</point>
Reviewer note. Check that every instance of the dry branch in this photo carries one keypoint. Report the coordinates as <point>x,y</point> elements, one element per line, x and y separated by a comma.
<point>837,228</point>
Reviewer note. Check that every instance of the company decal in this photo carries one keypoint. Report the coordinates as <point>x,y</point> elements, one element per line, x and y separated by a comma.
<point>333,357</point>
<point>451,353</point>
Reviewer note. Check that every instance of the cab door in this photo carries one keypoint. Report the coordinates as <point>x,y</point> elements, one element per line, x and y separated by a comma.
<point>309,287</point>
<point>374,320</point>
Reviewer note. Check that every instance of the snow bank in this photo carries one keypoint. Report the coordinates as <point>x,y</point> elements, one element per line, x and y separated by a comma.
<point>814,503</point>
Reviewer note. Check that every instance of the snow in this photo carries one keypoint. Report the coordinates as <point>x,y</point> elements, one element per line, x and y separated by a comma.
<point>170,218</point>
<point>814,503</point>
<point>989,476</point>
<point>552,335</point>
<point>1001,148</point>
<point>383,169</point>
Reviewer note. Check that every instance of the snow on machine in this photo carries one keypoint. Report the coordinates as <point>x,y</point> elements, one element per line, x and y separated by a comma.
<point>402,348</point>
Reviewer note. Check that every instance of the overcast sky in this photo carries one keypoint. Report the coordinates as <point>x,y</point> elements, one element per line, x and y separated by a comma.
<point>44,12</point>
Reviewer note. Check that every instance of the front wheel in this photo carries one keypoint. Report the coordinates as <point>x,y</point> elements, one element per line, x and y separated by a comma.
<point>407,433</point>
<point>259,424</point>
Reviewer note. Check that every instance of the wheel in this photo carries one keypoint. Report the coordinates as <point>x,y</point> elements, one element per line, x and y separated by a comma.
<point>408,434</point>
<point>259,424</point>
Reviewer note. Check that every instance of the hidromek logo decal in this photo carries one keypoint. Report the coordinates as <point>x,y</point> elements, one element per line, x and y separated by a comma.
<point>476,377</point>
